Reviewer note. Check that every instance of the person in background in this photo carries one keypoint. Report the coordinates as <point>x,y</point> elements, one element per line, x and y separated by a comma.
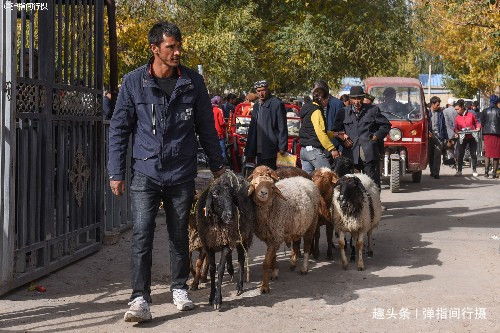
<point>220,124</point>
<point>368,100</point>
<point>268,131</point>
<point>474,108</point>
<point>108,104</point>
<point>332,107</point>
<point>450,114</point>
<point>345,99</point>
<point>317,146</point>
<point>465,120</point>
<point>490,122</point>
<point>250,98</point>
<point>437,136</point>
<point>229,105</point>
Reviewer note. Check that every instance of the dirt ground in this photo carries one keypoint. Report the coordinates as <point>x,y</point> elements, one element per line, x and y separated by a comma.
<point>436,268</point>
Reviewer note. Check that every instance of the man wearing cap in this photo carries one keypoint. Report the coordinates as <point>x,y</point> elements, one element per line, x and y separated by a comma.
<point>268,132</point>
<point>365,126</point>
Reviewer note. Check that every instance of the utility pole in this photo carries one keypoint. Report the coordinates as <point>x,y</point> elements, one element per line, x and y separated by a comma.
<point>429,83</point>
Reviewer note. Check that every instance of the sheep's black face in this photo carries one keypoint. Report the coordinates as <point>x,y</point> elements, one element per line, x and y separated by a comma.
<point>342,166</point>
<point>350,194</point>
<point>221,203</point>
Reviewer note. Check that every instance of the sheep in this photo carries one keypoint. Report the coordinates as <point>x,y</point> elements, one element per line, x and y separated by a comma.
<point>225,218</point>
<point>200,270</point>
<point>286,211</point>
<point>342,166</point>
<point>356,208</point>
<point>325,179</point>
<point>288,172</point>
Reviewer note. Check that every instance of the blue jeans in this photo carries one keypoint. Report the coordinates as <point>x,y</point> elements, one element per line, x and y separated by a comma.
<point>222,144</point>
<point>145,197</point>
<point>314,159</point>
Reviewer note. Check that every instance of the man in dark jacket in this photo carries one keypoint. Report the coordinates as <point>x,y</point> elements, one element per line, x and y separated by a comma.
<point>268,132</point>
<point>366,127</point>
<point>437,136</point>
<point>333,106</point>
<point>163,105</point>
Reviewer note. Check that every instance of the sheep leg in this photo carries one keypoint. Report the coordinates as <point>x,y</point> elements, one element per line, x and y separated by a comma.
<point>211,263</point>
<point>241,271</point>
<point>197,271</point>
<point>315,243</point>
<point>359,248</point>
<point>229,262</point>
<point>342,244</point>
<point>267,266</point>
<point>329,239</point>
<point>308,239</point>
<point>204,267</point>
<point>191,268</point>
<point>294,254</point>
<point>369,241</point>
<point>220,276</point>
<point>353,250</point>
<point>275,269</point>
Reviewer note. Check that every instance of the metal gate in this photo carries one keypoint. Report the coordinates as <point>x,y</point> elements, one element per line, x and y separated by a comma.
<point>52,144</point>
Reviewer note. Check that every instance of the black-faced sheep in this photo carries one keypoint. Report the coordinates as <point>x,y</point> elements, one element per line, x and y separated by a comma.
<point>356,209</point>
<point>286,211</point>
<point>325,179</point>
<point>225,217</point>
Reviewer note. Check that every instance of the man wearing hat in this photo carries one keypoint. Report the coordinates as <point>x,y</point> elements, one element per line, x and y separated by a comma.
<point>366,127</point>
<point>268,132</point>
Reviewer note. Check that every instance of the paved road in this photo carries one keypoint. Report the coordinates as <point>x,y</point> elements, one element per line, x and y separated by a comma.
<point>436,258</point>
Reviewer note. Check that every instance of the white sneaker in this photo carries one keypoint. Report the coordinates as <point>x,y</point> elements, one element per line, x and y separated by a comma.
<point>139,311</point>
<point>181,300</point>
<point>475,174</point>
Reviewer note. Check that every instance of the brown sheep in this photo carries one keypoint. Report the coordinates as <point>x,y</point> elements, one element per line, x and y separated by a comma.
<point>325,179</point>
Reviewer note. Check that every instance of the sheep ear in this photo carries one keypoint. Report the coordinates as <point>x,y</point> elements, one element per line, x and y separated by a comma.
<point>250,178</point>
<point>278,192</point>
<point>274,176</point>
<point>335,179</point>
<point>251,188</point>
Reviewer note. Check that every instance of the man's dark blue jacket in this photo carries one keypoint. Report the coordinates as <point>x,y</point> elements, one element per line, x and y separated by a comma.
<point>333,107</point>
<point>166,151</point>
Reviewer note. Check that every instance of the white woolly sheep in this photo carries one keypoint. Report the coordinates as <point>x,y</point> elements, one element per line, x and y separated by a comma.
<point>286,211</point>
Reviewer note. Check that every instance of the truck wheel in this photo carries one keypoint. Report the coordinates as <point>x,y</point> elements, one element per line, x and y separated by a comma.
<point>416,177</point>
<point>395,177</point>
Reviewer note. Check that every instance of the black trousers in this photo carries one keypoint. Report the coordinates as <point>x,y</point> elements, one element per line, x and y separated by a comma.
<point>145,197</point>
<point>270,162</point>
<point>435,151</point>
<point>371,169</point>
<point>461,152</point>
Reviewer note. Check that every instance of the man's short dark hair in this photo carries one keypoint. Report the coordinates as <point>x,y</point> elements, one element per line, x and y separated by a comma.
<point>230,96</point>
<point>161,29</point>
<point>344,98</point>
<point>435,99</point>
<point>460,103</point>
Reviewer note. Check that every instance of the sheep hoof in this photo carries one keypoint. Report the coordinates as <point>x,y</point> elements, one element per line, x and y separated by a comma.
<point>344,266</point>
<point>204,280</point>
<point>361,268</point>
<point>292,268</point>
<point>302,272</point>
<point>265,290</point>
<point>239,292</point>
<point>370,254</point>
<point>193,287</point>
<point>352,259</point>
<point>329,256</point>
